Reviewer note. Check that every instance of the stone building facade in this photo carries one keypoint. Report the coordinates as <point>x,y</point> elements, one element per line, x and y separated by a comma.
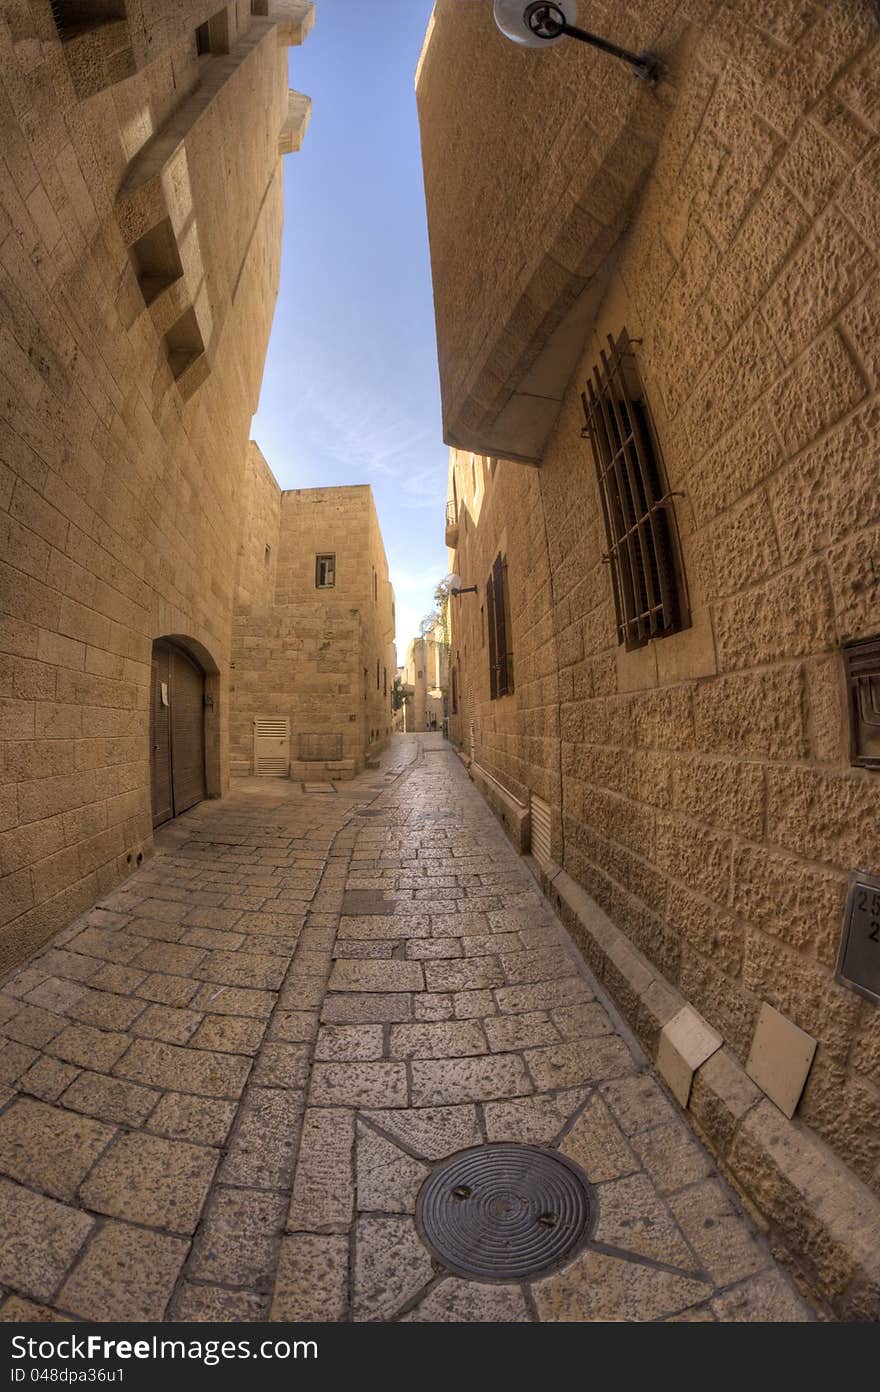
<point>425,678</point>
<point>136,297</point>
<point>698,791</point>
<point>313,631</point>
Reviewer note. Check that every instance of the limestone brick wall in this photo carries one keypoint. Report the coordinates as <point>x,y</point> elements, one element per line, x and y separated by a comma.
<point>707,799</point>
<point>119,490</point>
<point>305,654</point>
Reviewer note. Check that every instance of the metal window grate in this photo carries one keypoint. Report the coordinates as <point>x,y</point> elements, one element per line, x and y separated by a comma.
<point>637,507</point>
<point>863,679</point>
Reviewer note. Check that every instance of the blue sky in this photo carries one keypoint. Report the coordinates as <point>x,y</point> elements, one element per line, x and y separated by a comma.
<point>350,393</point>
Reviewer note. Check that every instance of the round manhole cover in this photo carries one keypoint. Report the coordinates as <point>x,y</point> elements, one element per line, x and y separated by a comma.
<point>504,1212</point>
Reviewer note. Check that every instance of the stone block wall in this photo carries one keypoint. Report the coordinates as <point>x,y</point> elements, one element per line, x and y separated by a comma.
<point>119,490</point>
<point>701,787</point>
<point>311,655</point>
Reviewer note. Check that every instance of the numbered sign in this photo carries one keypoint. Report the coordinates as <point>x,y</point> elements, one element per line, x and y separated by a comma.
<point>858,964</point>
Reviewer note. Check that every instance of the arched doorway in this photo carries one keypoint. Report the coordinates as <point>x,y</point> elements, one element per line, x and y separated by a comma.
<point>177,731</point>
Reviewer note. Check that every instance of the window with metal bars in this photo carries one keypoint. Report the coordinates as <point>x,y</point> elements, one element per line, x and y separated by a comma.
<point>862,661</point>
<point>500,632</point>
<point>638,511</point>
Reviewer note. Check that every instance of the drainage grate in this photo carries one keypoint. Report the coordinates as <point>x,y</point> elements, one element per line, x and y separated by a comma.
<point>505,1212</point>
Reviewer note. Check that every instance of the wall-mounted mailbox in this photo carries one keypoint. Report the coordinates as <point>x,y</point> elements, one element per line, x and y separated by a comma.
<point>858,963</point>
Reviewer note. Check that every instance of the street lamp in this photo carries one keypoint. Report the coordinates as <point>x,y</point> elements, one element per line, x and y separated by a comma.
<point>540,24</point>
<point>456,589</point>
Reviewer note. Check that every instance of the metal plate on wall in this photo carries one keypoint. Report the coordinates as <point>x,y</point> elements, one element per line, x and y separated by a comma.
<point>858,963</point>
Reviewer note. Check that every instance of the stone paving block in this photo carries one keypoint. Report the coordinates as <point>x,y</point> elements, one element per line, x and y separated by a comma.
<point>580,1061</point>
<point>323,1190</point>
<point>55,994</point>
<point>169,1066</point>
<point>546,964</point>
<point>203,1120</point>
<point>15,1059</point>
<point>110,1099</point>
<point>147,1179</point>
<point>71,966</point>
<point>294,1026</point>
<point>490,944</point>
<point>359,1008</point>
<point>431,1132</point>
<point>597,1144</point>
<point>444,1039</point>
<point>638,1103</point>
<point>236,1241</point>
<point>458,925</point>
<point>336,1043</point>
<point>544,995</point>
<point>118,979</point>
<point>283,1066</point>
<point>47,1078</point>
<point>105,1010</point>
<point>34,1026</point>
<point>213,917</point>
<point>468,1080</point>
<point>106,945</point>
<point>125,1274</point>
<point>466,1302</point>
<point>167,1022</point>
<point>672,1156</point>
<point>311,1283</point>
<point>358,1085</point>
<point>507,1032</point>
<point>767,1298</point>
<point>582,1021</point>
<point>229,1000</point>
<point>719,1235</point>
<point>597,1287</point>
<point>533,1120</point>
<point>302,993</point>
<point>356,948</point>
<point>430,949</point>
<point>388,1180</point>
<point>170,958</point>
<point>431,1005</point>
<point>365,901</point>
<point>263,1146</point>
<point>48,1148</point>
<point>391,1267</point>
<point>167,990</point>
<point>376,976</point>
<point>39,1239</point>
<point>212,940</point>
<point>633,1216</point>
<point>216,1305</point>
<point>257,969</point>
<point>89,1048</point>
<point>16,1310</point>
<point>229,1034</point>
<point>470,974</point>
<point>386,929</point>
<point>469,1005</point>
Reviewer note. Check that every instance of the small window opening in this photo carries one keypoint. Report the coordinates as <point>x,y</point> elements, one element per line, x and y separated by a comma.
<point>325,572</point>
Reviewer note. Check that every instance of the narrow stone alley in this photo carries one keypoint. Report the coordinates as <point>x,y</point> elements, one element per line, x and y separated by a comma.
<point>224,1088</point>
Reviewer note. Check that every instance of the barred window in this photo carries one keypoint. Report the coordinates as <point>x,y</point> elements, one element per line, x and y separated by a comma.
<point>637,508</point>
<point>325,572</point>
<point>498,617</point>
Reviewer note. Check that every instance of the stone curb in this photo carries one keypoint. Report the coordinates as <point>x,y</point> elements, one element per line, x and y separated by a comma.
<point>820,1219</point>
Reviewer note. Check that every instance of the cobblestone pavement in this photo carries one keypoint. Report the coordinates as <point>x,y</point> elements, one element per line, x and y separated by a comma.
<point>222,1089</point>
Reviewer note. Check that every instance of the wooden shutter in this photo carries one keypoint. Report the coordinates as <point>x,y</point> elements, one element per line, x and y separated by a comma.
<point>499,577</point>
<point>187,732</point>
<point>271,747</point>
<point>160,735</point>
<point>490,619</point>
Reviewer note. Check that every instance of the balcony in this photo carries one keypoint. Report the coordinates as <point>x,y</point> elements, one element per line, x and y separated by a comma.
<point>451,525</point>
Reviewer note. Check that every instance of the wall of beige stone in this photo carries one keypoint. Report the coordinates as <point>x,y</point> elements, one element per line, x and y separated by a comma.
<point>119,490</point>
<point>305,654</point>
<point>706,797</point>
<point>425,672</point>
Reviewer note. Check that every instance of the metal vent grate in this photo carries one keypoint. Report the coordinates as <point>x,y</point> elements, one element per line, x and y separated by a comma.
<point>540,824</point>
<point>271,747</point>
<point>637,508</point>
<point>863,679</point>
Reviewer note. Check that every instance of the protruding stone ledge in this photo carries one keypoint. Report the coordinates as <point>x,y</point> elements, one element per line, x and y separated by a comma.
<point>293,132</point>
<point>513,814</point>
<point>295,20</point>
<point>821,1219</point>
